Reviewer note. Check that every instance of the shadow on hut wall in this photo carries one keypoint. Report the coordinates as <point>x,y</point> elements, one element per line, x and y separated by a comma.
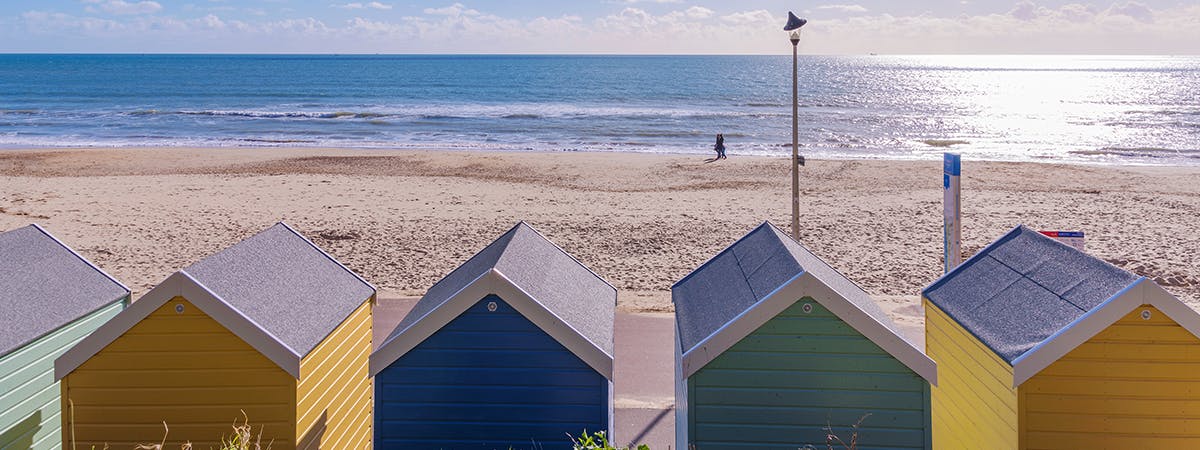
<point>312,438</point>
<point>20,434</point>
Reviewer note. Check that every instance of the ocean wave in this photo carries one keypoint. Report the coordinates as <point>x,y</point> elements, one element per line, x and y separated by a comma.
<point>439,117</point>
<point>1148,124</point>
<point>1166,112</point>
<point>288,114</point>
<point>1140,152</point>
<point>278,141</point>
<point>474,111</point>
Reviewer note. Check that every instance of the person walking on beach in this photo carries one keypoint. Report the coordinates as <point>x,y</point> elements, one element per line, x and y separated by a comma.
<point>720,147</point>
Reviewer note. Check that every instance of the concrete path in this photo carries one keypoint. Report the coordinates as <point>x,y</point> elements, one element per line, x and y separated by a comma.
<point>643,376</point>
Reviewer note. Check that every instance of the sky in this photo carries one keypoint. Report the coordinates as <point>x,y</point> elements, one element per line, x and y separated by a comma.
<point>600,26</point>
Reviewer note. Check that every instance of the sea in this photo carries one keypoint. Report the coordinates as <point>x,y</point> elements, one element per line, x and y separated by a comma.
<point>1080,109</point>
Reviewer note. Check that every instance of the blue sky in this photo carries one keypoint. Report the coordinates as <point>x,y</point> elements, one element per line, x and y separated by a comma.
<point>599,26</point>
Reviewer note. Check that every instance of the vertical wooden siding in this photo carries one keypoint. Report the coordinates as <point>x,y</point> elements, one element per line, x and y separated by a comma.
<point>1133,385</point>
<point>783,384</point>
<point>974,403</point>
<point>30,401</point>
<point>185,369</point>
<point>488,380</point>
<point>334,393</point>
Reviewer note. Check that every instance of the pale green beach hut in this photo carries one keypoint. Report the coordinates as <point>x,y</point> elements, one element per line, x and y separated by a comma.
<point>50,298</point>
<point>773,346</point>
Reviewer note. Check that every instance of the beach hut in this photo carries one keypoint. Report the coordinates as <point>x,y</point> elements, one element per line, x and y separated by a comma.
<point>513,349</point>
<point>50,298</point>
<point>1043,346</point>
<point>272,327</point>
<point>773,346</point>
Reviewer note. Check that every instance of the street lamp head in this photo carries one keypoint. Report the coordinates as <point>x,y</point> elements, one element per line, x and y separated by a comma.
<point>793,27</point>
<point>794,23</point>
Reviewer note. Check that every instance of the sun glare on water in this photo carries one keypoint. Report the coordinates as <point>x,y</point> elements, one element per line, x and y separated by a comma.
<point>1021,102</point>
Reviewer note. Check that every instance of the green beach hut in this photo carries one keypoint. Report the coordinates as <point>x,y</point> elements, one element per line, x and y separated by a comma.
<point>773,346</point>
<point>50,299</point>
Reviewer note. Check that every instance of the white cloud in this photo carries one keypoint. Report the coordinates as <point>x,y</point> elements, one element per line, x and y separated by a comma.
<point>760,17</point>
<point>630,2</point>
<point>699,12</point>
<point>122,7</point>
<point>845,8</point>
<point>454,10</point>
<point>42,22</point>
<point>1077,13</point>
<point>359,5</point>
<point>1135,10</point>
<point>213,21</point>
<point>1026,10</point>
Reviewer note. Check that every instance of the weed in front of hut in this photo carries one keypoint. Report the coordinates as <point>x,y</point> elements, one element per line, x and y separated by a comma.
<point>831,438</point>
<point>159,446</point>
<point>597,441</point>
<point>243,437</point>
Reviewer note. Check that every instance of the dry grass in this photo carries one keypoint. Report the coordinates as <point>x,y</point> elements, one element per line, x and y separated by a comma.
<point>242,438</point>
<point>831,438</point>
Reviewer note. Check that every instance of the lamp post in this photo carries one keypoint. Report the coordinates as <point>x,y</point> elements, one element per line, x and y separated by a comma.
<point>793,28</point>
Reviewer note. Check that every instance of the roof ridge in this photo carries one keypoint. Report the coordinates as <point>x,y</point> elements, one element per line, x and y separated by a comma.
<point>780,234</point>
<point>552,244</point>
<point>978,255</point>
<point>729,248</point>
<point>511,234</point>
<point>321,251</point>
<point>78,256</point>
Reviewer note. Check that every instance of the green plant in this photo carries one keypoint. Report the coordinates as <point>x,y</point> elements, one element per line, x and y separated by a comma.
<point>597,441</point>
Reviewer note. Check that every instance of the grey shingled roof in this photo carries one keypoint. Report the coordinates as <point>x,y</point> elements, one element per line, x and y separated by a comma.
<point>747,272</point>
<point>1024,287</point>
<point>285,284</point>
<point>553,278</point>
<point>45,285</point>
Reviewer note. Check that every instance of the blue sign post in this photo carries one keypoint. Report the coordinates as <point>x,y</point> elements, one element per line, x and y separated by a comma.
<point>951,211</point>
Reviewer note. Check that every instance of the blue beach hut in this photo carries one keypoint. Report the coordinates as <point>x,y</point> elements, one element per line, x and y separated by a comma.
<point>773,346</point>
<point>513,349</point>
<point>50,299</point>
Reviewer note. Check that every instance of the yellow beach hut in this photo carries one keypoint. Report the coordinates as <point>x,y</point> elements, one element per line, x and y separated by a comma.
<point>1042,346</point>
<point>271,326</point>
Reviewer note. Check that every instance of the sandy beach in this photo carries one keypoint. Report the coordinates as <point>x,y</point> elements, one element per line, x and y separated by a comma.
<point>403,219</point>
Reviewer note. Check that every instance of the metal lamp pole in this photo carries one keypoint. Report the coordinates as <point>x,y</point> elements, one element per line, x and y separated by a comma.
<point>793,29</point>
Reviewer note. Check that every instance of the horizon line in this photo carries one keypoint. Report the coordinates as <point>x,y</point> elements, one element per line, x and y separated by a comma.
<point>7,53</point>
